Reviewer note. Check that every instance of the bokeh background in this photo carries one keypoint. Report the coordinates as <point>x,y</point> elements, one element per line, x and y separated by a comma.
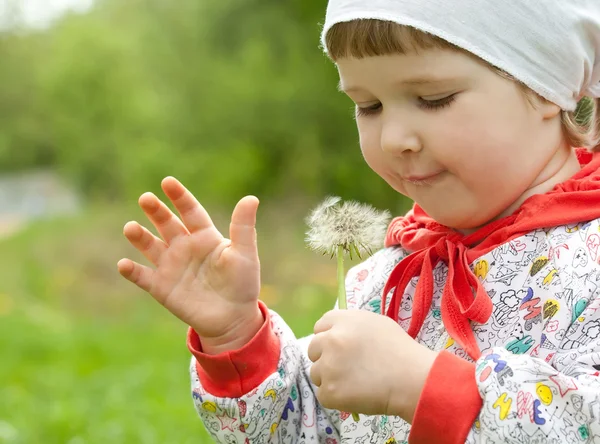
<point>101,99</point>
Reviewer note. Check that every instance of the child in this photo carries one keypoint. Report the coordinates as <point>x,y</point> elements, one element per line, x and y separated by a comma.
<point>491,283</point>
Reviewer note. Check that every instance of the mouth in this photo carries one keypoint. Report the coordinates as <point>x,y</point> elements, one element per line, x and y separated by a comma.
<point>423,179</point>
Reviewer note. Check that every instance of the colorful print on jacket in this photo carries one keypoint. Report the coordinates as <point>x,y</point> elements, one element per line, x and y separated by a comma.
<point>538,375</point>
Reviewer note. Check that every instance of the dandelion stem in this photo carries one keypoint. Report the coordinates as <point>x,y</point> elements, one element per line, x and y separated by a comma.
<point>341,278</point>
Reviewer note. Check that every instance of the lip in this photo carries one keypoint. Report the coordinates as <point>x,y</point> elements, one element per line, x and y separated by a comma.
<point>422,178</point>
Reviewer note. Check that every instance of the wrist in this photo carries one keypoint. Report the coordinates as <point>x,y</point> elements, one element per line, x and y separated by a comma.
<point>405,396</point>
<point>233,373</point>
<point>241,332</point>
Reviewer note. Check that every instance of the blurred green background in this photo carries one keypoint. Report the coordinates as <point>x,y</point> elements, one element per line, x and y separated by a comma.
<point>96,107</point>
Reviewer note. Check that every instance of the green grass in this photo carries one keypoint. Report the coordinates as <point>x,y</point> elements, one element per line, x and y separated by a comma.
<point>88,358</point>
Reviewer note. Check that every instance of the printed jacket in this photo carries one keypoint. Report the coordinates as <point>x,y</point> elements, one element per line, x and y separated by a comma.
<point>537,380</point>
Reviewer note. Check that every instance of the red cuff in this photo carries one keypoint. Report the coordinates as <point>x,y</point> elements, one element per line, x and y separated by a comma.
<point>449,404</point>
<point>234,373</point>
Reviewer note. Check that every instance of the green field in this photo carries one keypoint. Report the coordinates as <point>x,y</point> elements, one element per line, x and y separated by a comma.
<point>88,358</point>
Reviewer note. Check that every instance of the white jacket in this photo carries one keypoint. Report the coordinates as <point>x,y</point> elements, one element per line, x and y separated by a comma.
<point>537,380</point>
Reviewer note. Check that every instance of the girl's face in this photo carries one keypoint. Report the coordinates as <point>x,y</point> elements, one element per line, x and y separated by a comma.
<point>445,130</point>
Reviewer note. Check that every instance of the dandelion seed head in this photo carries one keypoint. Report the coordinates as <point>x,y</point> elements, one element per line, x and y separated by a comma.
<point>357,228</point>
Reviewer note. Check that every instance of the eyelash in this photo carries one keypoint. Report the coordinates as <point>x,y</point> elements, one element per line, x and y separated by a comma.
<point>433,105</point>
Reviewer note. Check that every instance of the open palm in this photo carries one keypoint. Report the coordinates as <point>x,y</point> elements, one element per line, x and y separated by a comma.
<point>208,281</point>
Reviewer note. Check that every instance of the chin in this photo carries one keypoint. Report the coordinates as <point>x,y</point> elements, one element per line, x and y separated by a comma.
<point>465,223</point>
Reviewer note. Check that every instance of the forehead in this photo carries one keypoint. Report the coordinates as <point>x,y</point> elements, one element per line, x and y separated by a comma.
<point>427,67</point>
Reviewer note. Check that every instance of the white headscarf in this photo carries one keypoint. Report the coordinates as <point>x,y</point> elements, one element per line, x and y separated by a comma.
<point>552,46</point>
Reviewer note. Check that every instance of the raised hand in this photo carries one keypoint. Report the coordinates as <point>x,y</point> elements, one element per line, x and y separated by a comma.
<point>208,281</point>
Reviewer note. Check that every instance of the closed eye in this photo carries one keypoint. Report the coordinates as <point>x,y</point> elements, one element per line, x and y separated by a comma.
<point>438,103</point>
<point>423,103</point>
<point>368,110</point>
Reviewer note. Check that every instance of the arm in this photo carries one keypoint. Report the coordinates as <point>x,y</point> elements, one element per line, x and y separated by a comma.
<point>516,398</point>
<point>519,399</point>
<point>262,392</point>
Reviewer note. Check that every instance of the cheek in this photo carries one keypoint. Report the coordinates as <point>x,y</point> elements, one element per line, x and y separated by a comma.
<point>482,144</point>
<point>378,161</point>
<point>370,147</point>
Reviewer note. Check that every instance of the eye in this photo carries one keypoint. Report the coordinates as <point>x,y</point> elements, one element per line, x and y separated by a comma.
<point>368,110</point>
<point>438,103</point>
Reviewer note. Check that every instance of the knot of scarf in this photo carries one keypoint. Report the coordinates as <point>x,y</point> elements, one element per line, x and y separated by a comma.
<point>464,299</point>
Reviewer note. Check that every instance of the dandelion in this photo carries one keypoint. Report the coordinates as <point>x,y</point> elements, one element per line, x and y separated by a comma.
<point>349,228</point>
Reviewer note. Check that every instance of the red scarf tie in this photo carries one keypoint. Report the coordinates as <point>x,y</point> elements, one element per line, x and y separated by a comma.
<point>464,299</point>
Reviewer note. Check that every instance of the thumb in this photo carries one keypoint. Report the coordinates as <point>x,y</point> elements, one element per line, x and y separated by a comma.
<point>242,230</point>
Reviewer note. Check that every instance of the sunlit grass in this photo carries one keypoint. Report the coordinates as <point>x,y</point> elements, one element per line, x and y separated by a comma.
<point>88,358</point>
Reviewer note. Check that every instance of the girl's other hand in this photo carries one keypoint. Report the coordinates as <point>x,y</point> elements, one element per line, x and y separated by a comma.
<point>366,363</point>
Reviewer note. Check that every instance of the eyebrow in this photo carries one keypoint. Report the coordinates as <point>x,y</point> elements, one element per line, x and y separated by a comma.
<point>416,81</point>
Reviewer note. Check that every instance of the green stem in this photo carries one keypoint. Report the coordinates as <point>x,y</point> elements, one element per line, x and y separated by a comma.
<point>341,277</point>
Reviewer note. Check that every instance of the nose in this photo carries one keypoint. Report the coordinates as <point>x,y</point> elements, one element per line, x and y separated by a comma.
<point>398,138</point>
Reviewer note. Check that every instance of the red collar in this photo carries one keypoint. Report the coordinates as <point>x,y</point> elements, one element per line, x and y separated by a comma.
<point>464,299</point>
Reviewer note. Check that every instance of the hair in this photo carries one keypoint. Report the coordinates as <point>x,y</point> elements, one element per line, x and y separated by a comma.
<point>370,37</point>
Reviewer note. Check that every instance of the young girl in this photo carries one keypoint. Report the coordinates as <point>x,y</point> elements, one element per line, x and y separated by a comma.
<point>491,283</point>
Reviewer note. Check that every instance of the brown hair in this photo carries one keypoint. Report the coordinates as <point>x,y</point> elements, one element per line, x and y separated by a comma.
<point>369,37</point>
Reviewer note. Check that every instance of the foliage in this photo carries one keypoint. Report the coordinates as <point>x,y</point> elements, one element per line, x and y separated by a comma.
<point>232,97</point>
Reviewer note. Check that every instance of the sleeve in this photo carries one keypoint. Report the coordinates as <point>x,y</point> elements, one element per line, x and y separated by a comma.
<point>261,393</point>
<point>518,398</point>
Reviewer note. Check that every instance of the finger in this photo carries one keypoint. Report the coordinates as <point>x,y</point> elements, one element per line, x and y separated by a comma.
<point>168,225</point>
<point>315,348</point>
<point>144,241</point>
<point>140,275</point>
<point>242,230</point>
<point>327,321</point>
<point>315,374</point>
<point>193,215</point>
